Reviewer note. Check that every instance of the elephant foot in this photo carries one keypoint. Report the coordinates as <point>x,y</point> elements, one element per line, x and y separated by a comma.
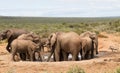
<point>97,52</point>
<point>9,50</point>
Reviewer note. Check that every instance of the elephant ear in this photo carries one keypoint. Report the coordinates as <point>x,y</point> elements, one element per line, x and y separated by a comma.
<point>6,34</point>
<point>92,36</point>
<point>52,39</point>
<point>35,37</point>
<point>9,34</point>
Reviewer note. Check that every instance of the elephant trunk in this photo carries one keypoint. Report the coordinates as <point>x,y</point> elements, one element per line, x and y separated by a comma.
<point>96,46</point>
<point>52,51</point>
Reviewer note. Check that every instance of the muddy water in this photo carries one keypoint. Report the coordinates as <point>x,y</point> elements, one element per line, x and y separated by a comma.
<point>101,54</point>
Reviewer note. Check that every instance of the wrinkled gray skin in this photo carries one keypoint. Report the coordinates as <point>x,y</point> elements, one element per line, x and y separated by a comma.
<point>10,35</point>
<point>32,37</point>
<point>24,46</point>
<point>87,48</point>
<point>62,44</point>
<point>94,38</point>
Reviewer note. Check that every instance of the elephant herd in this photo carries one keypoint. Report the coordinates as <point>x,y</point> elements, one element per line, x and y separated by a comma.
<point>26,45</point>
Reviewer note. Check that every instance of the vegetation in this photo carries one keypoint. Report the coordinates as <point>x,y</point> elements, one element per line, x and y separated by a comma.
<point>118,70</point>
<point>75,69</point>
<point>46,25</point>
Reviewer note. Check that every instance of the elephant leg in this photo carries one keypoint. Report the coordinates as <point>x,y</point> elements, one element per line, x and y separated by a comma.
<point>42,49</point>
<point>92,50</point>
<point>54,57</point>
<point>97,52</point>
<point>23,56</point>
<point>27,56</point>
<point>8,47</point>
<point>31,54</point>
<point>40,57</point>
<point>87,55</point>
<point>97,49</point>
<point>64,56</point>
<point>52,51</point>
<point>57,51</point>
<point>13,55</point>
<point>75,55</point>
<point>83,52</point>
<point>57,55</point>
<point>95,46</point>
<point>92,54</point>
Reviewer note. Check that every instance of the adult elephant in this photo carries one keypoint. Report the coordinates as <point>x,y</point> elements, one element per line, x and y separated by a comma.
<point>87,48</point>
<point>24,46</point>
<point>62,44</point>
<point>94,38</point>
<point>10,35</point>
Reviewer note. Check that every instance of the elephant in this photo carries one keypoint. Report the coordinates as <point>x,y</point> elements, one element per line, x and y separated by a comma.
<point>94,38</point>
<point>10,35</point>
<point>24,46</point>
<point>32,37</point>
<point>62,44</point>
<point>87,48</point>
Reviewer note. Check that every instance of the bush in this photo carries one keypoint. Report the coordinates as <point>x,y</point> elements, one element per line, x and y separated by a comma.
<point>75,69</point>
<point>118,70</point>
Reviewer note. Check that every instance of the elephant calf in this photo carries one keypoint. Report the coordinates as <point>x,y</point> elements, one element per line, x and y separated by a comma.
<point>92,36</point>
<point>87,48</point>
<point>24,46</point>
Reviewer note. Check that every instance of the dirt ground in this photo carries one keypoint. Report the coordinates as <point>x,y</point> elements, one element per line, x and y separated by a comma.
<point>105,62</point>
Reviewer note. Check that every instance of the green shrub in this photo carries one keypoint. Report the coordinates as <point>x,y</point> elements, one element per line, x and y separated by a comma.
<point>75,69</point>
<point>118,70</point>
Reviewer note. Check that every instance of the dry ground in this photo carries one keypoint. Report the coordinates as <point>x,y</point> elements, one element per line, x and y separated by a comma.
<point>105,62</point>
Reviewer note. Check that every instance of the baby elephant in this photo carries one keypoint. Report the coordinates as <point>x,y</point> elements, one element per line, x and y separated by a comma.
<point>24,46</point>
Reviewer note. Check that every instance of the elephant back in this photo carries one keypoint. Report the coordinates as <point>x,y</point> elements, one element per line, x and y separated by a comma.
<point>86,34</point>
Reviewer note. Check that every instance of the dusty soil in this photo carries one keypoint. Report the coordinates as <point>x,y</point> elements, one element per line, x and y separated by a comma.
<point>105,62</point>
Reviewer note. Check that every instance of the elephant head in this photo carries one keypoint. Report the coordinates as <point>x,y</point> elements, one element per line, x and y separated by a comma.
<point>94,38</point>
<point>51,40</point>
<point>10,35</point>
<point>5,35</point>
<point>50,43</point>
